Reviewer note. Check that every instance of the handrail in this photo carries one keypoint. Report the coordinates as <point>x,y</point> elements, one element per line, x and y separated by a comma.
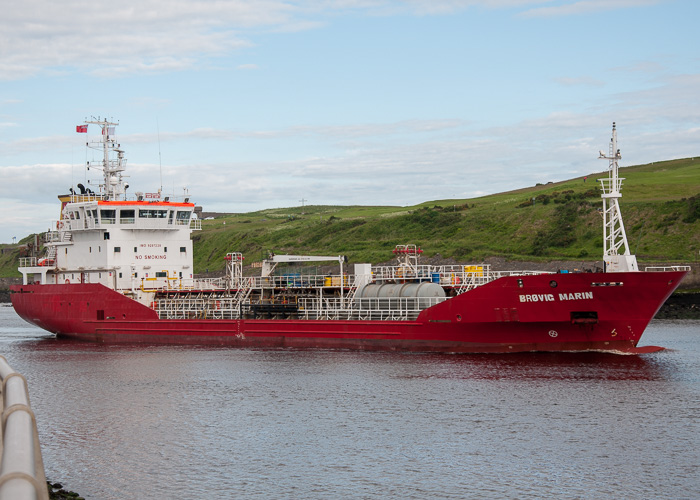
<point>659,269</point>
<point>22,475</point>
<point>27,262</point>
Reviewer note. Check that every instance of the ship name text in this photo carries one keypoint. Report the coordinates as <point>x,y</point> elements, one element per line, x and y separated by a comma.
<point>550,297</point>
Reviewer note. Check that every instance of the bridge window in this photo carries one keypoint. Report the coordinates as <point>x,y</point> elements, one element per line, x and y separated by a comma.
<point>183,216</point>
<point>108,216</point>
<point>153,214</point>
<point>127,216</point>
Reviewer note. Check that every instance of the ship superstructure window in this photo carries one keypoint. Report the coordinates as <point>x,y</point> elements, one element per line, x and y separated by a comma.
<point>106,236</point>
<point>152,214</point>
<point>183,217</point>
<point>183,249</point>
<point>108,216</point>
<point>165,249</point>
<point>117,249</point>
<point>127,216</point>
<point>161,274</point>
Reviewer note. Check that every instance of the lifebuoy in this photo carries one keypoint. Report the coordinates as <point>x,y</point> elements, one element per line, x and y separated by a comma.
<point>67,282</point>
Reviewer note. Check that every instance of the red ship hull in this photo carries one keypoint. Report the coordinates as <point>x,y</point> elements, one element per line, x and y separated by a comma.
<point>552,312</point>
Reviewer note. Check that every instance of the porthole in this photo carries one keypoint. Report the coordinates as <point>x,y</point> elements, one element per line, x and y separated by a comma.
<point>553,284</point>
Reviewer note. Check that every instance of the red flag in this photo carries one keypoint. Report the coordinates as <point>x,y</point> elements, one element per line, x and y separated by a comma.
<point>81,129</point>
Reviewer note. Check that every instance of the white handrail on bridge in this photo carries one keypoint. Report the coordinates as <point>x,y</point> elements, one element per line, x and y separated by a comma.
<point>659,269</point>
<point>22,474</point>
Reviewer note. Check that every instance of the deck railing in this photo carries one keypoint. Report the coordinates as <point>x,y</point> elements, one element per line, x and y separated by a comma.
<point>27,261</point>
<point>453,277</point>
<point>366,309</point>
<point>659,269</point>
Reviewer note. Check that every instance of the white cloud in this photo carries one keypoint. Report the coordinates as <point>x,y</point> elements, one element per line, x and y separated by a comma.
<point>587,7</point>
<point>650,67</point>
<point>135,36</point>
<point>40,37</point>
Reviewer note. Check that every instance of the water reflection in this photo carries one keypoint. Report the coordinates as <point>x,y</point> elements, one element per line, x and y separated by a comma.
<point>516,366</point>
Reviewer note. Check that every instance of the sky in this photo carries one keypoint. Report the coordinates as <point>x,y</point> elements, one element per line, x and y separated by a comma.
<point>262,104</point>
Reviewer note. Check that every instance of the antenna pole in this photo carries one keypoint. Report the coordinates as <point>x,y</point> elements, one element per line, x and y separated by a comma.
<point>160,162</point>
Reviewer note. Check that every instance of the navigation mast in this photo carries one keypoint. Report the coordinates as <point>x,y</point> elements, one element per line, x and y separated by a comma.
<point>616,253</point>
<point>114,187</point>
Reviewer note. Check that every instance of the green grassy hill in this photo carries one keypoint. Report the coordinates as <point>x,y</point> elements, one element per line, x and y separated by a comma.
<point>660,206</point>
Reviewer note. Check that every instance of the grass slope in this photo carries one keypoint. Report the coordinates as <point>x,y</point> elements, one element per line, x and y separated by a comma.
<point>660,206</point>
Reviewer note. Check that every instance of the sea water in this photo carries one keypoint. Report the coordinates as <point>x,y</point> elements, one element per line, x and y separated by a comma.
<point>153,422</point>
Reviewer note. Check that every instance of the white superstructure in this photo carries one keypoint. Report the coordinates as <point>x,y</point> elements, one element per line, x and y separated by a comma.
<point>125,243</point>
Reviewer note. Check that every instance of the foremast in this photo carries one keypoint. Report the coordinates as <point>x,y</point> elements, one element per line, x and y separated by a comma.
<point>616,252</point>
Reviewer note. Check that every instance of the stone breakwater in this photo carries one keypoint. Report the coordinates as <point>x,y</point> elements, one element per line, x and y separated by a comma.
<point>5,287</point>
<point>56,492</point>
<point>681,306</point>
